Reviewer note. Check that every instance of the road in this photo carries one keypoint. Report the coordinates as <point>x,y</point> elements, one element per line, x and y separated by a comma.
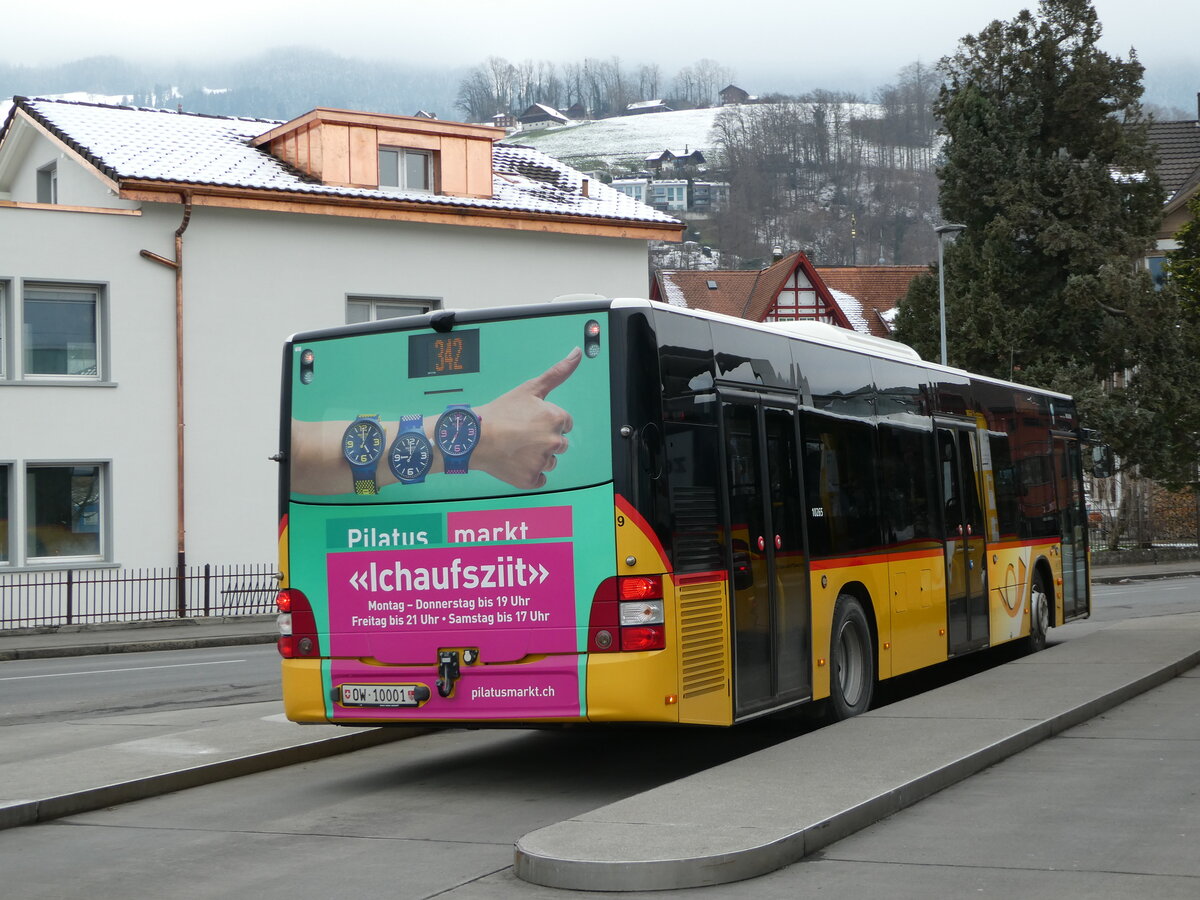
<point>435,816</point>
<point>82,687</point>
<point>51,690</point>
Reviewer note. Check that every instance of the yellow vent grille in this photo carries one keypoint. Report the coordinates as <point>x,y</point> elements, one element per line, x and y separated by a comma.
<point>703,619</point>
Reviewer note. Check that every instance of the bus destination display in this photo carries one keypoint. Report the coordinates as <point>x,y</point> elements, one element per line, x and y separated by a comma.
<point>456,353</point>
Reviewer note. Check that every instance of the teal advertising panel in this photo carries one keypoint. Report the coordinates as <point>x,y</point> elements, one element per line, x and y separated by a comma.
<point>452,511</point>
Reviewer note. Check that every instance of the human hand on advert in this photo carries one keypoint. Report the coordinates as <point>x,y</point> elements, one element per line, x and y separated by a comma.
<point>523,432</point>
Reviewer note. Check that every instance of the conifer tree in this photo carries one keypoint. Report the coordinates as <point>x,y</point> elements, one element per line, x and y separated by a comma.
<point>1046,161</point>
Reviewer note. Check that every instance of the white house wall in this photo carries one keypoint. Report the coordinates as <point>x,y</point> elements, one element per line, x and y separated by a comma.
<point>250,280</point>
<point>127,420</point>
<point>253,279</point>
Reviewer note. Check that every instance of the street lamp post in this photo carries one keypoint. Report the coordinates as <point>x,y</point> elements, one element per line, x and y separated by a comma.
<point>941,231</point>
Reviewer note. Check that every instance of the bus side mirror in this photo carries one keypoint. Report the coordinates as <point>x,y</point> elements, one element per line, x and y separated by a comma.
<point>1102,461</point>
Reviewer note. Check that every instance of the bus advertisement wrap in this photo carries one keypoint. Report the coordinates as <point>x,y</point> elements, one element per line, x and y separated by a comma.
<point>466,467</point>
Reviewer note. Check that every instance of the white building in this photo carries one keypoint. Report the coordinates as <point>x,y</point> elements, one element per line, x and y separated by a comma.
<point>120,227</point>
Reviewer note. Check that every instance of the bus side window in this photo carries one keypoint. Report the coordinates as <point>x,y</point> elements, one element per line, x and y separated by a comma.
<point>840,491</point>
<point>906,485</point>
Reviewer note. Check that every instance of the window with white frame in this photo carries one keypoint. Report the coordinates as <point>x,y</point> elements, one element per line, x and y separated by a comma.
<point>405,170</point>
<point>47,184</point>
<point>368,309</point>
<point>60,332</point>
<point>64,511</point>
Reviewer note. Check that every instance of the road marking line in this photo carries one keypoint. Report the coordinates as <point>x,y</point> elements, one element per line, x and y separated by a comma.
<point>219,662</point>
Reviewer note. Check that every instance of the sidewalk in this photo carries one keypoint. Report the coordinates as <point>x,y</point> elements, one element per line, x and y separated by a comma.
<point>132,637</point>
<point>764,811</point>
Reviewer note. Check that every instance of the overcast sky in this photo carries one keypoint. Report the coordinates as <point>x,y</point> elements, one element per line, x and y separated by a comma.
<point>752,38</point>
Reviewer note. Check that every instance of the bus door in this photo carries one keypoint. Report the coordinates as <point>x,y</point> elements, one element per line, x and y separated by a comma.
<point>1072,525</point>
<point>770,592</point>
<point>962,524</point>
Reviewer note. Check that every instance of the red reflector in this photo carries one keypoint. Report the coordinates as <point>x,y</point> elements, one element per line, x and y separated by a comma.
<point>644,637</point>
<point>640,587</point>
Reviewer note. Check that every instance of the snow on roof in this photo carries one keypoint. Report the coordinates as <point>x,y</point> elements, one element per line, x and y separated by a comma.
<point>188,148</point>
<point>673,292</point>
<point>853,310</point>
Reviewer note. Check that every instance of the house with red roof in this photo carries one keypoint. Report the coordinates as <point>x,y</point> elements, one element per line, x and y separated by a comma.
<point>152,263</point>
<point>875,290</point>
<point>861,298</point>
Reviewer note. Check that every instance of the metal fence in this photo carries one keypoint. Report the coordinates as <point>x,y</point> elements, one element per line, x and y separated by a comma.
<point>82,596</point>
<point>1142,515</point>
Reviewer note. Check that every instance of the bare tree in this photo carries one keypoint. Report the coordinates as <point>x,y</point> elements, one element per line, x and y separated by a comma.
<point>648,80</point>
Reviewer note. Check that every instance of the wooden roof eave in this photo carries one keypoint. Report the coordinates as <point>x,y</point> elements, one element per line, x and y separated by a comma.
<point>149,191</point>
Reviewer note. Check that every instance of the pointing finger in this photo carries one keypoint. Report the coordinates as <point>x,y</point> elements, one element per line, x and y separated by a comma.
<point>555,375</point>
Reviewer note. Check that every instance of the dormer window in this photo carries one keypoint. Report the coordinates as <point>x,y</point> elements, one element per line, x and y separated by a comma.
<point>405,170</point>
<point>47,184</point>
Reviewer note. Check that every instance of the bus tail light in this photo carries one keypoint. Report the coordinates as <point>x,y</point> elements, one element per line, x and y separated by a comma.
<point>640,587</point>
<point>642,624</point>
<point>627,615</point>
<point>643,637</point>
<point>297,627</point>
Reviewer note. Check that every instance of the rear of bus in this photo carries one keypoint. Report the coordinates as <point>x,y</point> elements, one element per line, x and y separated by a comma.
<point>448,525</point>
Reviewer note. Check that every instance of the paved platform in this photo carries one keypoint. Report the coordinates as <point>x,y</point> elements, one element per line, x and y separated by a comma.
<point>764,811</point>
<point>59,769</point>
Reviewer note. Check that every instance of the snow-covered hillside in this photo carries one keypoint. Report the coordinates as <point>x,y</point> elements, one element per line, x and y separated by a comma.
<point>624,138</point>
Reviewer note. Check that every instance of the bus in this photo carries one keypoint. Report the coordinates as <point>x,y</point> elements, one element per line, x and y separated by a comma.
<point>623,511</point>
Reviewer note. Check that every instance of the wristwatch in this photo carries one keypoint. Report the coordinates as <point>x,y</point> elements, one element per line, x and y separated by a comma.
<point>457,435</point>
<point>411,454</point>
<point>362,445</point>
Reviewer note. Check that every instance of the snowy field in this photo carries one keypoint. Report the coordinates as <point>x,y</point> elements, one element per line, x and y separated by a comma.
<point>624,137</point>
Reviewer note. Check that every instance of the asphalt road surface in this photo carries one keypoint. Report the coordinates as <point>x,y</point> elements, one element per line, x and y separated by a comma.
<point>437,816</point>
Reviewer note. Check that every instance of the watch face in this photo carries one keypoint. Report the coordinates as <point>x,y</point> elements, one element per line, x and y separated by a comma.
<point>457,432</point>
<point>362,442</point>
<point>410,456</point>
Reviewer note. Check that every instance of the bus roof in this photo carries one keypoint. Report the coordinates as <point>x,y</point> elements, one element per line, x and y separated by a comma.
<point>810,331</point>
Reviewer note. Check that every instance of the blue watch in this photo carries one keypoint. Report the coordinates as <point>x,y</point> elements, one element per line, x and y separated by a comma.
<point>362,445</point>
<point>411,454</point>
<point>457,435</point>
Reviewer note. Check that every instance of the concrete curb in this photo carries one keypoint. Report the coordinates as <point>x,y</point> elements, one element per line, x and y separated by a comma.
<point>30,812</point>
<point>127,646</point>
<point>535,861</point>
<point>1131,578</point>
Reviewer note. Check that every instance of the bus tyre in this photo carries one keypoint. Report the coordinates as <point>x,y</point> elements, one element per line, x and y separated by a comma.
<point>852,660</point>
<point>1039,615</point>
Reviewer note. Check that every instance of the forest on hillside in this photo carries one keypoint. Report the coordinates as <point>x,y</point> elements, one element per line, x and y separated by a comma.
<point>847,182</point>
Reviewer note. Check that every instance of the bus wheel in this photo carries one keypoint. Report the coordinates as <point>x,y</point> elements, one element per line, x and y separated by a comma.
<point>852,660</point>
<point>1039,615</point>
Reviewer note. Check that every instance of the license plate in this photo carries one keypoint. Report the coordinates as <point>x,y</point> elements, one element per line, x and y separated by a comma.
<point>378,694</point>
